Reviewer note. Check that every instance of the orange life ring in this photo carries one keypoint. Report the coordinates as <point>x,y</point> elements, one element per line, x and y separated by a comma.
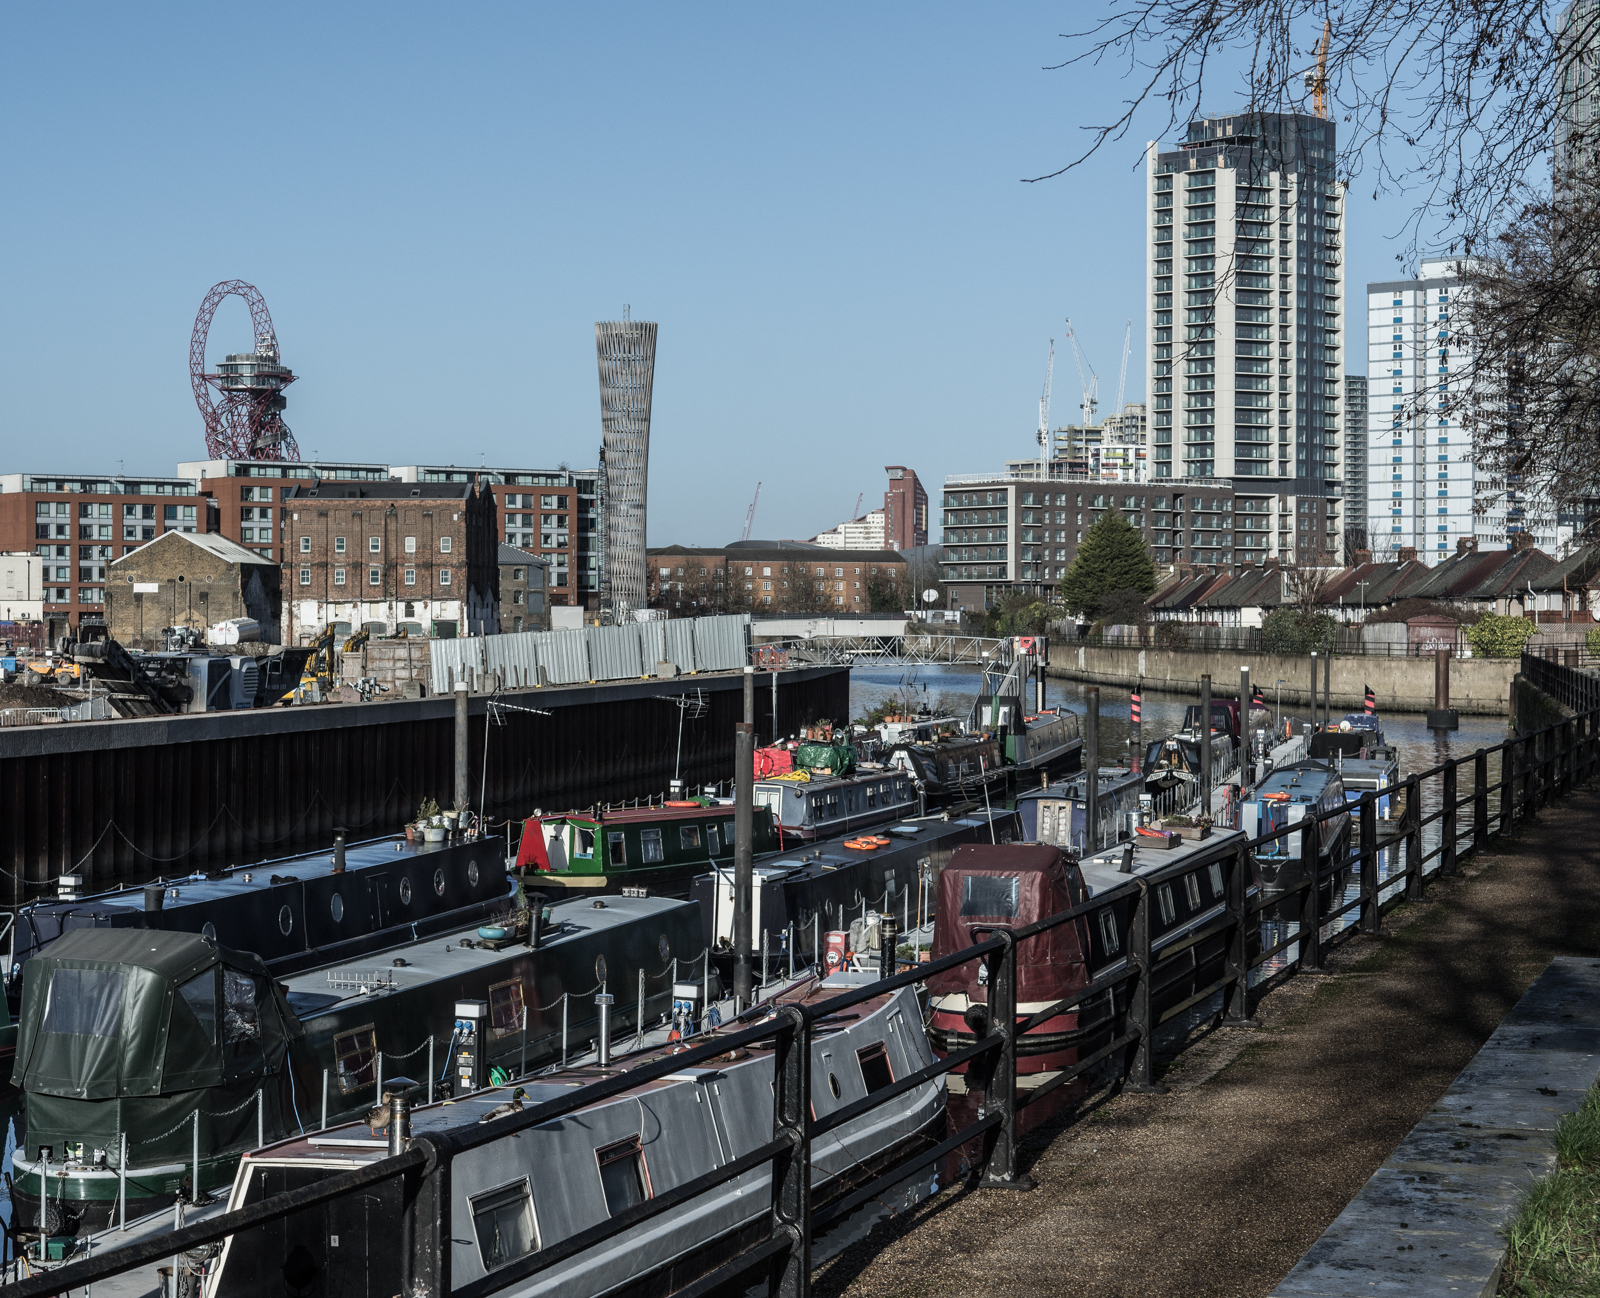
<point>681,804</point>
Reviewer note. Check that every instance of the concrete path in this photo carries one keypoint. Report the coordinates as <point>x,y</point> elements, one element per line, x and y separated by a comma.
<point>1221,1185</point>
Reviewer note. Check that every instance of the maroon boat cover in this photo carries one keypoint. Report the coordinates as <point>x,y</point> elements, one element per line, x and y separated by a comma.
<point>1011,885</point>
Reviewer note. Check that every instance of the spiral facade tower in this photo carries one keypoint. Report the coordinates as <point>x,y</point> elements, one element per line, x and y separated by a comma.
<point>626,350</point>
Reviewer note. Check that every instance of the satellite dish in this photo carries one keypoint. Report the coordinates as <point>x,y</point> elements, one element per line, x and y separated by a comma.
<point>929,595</point>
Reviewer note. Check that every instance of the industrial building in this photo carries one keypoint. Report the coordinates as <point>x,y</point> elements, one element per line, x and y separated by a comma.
<point>774,578</point>
<point>194,580</point>
<point>523,593</point>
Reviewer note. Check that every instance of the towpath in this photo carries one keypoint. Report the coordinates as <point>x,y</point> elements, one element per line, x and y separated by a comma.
<point>1218,1187</point>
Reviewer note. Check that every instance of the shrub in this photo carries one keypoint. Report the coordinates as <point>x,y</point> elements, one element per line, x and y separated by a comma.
<point>1295,631</point>
<point>1494,636</point>
<point>1591,641</point>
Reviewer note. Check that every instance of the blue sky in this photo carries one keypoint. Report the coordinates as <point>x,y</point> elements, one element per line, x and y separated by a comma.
<point>821,206</point>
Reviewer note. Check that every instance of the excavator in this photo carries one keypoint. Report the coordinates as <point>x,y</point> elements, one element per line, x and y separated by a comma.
<point>321,670</point>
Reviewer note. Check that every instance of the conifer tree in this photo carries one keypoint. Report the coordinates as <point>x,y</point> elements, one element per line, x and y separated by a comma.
<point>1113,556</point>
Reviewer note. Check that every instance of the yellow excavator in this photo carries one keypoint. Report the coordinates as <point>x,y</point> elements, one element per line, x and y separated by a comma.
<point>321,670</point>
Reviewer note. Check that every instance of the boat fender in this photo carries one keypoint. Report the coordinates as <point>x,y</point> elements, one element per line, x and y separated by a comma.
<point>977,1018</point>
<point>681,804</point>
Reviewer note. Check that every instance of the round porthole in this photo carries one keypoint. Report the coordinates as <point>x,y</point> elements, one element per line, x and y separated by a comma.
<point>438,882</point>
<point>336,908</point>
<point>209,932</point>
<point>600,969</point>
<point>833,1085</point>
<point>472,873</point>
<point>405,892</point>
<point>285,921</point>
<point>665,947</point>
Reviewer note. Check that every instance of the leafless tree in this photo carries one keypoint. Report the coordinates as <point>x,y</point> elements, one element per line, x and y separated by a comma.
<point>1306,584</point>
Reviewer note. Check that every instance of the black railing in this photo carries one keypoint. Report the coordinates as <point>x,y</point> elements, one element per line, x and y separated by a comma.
<point>1532,770</point>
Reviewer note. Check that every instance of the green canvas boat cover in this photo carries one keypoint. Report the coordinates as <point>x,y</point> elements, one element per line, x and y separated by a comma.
<point>836,759</point>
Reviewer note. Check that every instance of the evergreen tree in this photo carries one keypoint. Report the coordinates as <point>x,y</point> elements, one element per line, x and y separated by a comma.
<point>1113,556</point>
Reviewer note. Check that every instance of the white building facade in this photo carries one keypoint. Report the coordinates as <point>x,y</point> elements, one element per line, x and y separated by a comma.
<point>864,533</point>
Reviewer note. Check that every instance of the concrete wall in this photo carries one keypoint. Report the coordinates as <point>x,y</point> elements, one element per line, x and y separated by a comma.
<point>1481,685</point>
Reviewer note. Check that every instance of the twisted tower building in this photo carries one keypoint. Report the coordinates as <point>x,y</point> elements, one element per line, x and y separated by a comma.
<point>626,350</point>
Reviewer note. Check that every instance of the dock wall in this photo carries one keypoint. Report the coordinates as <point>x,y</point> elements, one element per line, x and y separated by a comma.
<point>131,799</point>
<point>1477,685</point>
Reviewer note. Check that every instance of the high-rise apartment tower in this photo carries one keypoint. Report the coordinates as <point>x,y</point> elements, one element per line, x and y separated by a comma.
<point>1355,461</point>
<point>626,350</point>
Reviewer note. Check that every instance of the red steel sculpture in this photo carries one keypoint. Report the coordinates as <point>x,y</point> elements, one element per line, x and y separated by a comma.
<point>246,423</point>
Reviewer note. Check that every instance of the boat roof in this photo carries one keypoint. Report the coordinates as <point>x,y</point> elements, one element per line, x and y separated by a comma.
<point>444,958</point>
<point>1303,782</point>
<point>636,815</point>
<point>1075,786</point>
<point>1103,870</point>
<point>835,853</point>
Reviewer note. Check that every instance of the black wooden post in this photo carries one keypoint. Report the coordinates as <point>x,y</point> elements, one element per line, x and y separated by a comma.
<point>1141,1069</point>
<point>1447,830</point>
<point>1237,1011</point>
<point>790,1274</point>
<point>425,1241</point>
<point>1508,788</point>
<point>1000,1095</point>
<point>1480,799</point>
<point>1371,915</point>
<point>1310,900</point>
<point>1413,834</point>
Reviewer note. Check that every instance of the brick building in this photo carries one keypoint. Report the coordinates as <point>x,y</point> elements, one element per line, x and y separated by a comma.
<point>905,510</point>
<point>79,524</point>
<point>193,580</point>
<point>388,555</point>
<point>776,577</point>
<point>245,497</point>
<point>523,602</point>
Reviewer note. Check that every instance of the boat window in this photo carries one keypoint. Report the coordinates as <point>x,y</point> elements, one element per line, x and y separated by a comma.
<point>990,896</point>
<point>689,836</point>
<point>355,1056</point>
<point>335,907</point>
<point>505,1007</point>
<point>583,841</point>
<point>472,869</point>
<point>285,921</point>
<point>1191,887</point>
<point>1108,932</point>
<point>713,840</point>
<point>239,1021</point>
<point>617,847</point>
<point>200,994</point>
<point>622,1174</point>
<point>1169,911</point>
<point>405,892</point>
<point>438,882</point>
<point>503,1222</point>
<point>84,1002</point>
<point>872,796</point>
<point>875,1070</point>
<point>1216,881</point>
<point>650,845</point>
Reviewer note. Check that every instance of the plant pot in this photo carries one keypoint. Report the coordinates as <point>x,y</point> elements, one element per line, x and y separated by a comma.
<point>411,833</point>
<point>434,834</point>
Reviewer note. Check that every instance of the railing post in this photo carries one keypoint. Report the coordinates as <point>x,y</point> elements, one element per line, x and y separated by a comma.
<point>1508,788</point>
<point>1000,1143</point>
<point>790,1273</point>
<point>1141,1069</point>
<point>1480,799</point>
<point>1447,830</point>
<point>1412,829</point>
<point>1237,1005</point>
<point>1310,901</point>
<point>1566,757</point>
<point>425,1226</point>
<point>1371,912</point>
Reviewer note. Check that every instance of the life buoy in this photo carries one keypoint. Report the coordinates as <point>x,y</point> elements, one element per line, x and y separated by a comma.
<point>682,804</point>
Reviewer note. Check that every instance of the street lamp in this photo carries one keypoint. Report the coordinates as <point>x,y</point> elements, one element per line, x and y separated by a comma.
<point>1277,712</point>
<point>1363,585</point>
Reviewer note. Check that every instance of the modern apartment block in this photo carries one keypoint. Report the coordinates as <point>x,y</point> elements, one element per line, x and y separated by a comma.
<point>1245,281</point>
<point>1422,402</point>
<point>1355,463</point>
<point>1118,446</point>
<point>1020,530</point>
<point>905,510</point>
<point>864,533</point>
<point>1577,152</point>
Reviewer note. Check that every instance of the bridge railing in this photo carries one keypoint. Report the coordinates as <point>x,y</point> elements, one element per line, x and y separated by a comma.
<point>912,648</point>
<point>1236,943</point>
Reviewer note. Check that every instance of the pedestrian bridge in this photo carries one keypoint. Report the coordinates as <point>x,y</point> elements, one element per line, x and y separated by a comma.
<point>913,648</point>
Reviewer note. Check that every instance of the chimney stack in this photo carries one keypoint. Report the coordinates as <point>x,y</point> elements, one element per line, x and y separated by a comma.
<point>1363,556</point>
<point>1522,540</point>
<point>1407,554</point>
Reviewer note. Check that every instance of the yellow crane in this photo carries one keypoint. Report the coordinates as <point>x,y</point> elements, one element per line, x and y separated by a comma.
<point>1317,78</point>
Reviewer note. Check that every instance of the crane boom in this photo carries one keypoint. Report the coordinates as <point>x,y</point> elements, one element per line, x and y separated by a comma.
<point>1122,378</point>
<point>1044,401</point>
<point>1317,78</point>
<point>750,515</point>
<point>1090,382</point>
<point>859,498</point>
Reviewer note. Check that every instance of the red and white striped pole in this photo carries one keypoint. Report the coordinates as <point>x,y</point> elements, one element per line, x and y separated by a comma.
<point>1134,701</point>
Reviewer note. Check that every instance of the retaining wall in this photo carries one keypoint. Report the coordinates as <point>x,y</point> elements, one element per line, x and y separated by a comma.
<point>1477,685</point>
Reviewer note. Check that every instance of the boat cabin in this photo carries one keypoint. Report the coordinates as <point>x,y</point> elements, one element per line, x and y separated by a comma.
<point>648,845</point>
<point>806,806</point>
<point>1056,813</point>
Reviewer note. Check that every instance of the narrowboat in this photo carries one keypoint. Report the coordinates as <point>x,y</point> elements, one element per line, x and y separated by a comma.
<point>544,1183</point>
<point>1056,813</point>
<point>1175,760</point>
<point>949,769</point>
<point>806,806</point>
<point>1369,775</point>
<point>659,847</point>
<point>1034,741</point>
<point>1286,797</point>
<point>299,911</point>
<point>128,1034</point>
<point>1356,734</point>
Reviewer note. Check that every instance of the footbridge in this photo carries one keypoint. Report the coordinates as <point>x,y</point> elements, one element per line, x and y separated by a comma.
<point>912,648</point>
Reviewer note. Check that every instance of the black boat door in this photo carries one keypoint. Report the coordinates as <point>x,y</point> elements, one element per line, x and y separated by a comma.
<point>378,903</point>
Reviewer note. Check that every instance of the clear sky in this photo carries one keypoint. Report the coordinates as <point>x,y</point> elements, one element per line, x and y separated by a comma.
<point>820,204</point>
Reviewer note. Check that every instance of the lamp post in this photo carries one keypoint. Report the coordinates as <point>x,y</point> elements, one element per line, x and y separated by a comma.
<point>1363,587</point>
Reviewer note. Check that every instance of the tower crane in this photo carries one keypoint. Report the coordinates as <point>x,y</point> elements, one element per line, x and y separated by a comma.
<point>750,515</point>
<point>1090,383</point>
<point>1044,401</point>
<point>1316,78</point>
<point>1122,378</point>
<point>859,498</point>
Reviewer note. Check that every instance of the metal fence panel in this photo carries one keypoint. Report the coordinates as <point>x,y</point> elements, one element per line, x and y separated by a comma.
<point>652,644</point>
<point>564,655</point>
<point>614,652</point>
<point>721,644</point>
<point>678,643</point>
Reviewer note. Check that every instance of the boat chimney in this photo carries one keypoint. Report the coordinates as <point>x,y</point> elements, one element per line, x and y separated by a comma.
<point>536,919</point>
<point>1205,744</point>
<point>675,790</point>
<point>154,895</point>
<point>603,1003</point>
<point>338,850</point>
<point>1127,859</point>
<point>1091,769</point>
<point>397,1091</point>
<point>888,940</point>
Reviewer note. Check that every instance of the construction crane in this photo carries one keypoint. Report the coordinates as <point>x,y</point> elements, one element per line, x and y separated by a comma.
<point>750,515</point>
<point>1122,378</point>
<point>860,496</point>
<point>1090,382</point>
<point>1044,399</point>
<point>1317,78</point>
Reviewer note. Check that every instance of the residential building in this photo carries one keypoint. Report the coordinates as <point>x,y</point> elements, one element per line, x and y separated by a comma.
<point>522,590</point>
<point>1245,280</point>
<point>78,524</point>
<point>190,579</point>
<point>905,510</point>
<point>776,577</point>
<point>1118,446</point>
<point>1577,154</point>
<point>391,555</point>
<point>1355,463</point>
<point>864,533</point>
<point>1019,531</point>
<point>244,497</point>
<point>557,513</point>
<point>21,587</point>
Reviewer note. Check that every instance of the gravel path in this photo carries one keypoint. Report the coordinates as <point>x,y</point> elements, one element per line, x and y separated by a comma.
<point>1221,1185</point>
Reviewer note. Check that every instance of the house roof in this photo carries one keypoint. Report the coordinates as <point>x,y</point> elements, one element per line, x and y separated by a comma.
<point>226,550</point>
<point>1578,571</point>
<point>510,554</point>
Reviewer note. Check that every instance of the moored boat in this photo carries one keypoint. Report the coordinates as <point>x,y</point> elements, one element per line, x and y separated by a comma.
<point>1285,798</point>
<point>806,806</point>
<point>1175,760</point>
<point>1057,812</point>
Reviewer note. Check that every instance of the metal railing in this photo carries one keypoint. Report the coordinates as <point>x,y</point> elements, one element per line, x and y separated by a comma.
<point>1123,1004</point>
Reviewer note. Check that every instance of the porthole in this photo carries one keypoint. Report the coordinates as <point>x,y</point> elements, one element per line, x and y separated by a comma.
<point>209,932</point>
<point>405,892</point>
<point>438,882</point>
<point>665,947</point>
<point>833,1085</point>
<point>285,921</point>
<point>472,874</point>
<point>336,908</point>
<point>600,969</point>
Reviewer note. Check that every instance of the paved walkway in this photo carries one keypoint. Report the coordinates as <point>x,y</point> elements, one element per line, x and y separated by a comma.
<point>1221,1185</point>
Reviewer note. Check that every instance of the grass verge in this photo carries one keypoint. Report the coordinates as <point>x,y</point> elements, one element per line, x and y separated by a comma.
<point>1554,1240</point>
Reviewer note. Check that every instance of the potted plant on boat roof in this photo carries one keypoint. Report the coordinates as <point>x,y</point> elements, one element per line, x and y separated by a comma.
<point>430,821</point>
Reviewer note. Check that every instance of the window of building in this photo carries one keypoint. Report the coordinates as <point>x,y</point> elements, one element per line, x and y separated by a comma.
<point>516,596</point>
<point>444,576</point>
<point>375,544</point>
<point>305,576</point>
<point>374,576</point>
<point>444,545</point>
<point>305,545</point>
<point>411,576</point>
<point>338,545</point>
<point>338,576</point>
<point>411,545</point>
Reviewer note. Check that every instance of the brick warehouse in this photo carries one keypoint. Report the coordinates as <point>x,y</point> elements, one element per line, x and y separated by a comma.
<point>191,580</point>
<point>770,577</point>
<point>418,557</point>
